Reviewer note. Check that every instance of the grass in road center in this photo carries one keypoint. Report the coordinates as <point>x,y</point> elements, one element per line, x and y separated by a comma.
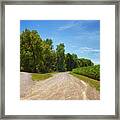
<point>42,76</point>
<point>90,81</point>
<point>37,76</point>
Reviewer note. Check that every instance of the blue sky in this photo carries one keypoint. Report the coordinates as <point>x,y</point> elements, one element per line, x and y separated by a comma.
<point>81,37</point>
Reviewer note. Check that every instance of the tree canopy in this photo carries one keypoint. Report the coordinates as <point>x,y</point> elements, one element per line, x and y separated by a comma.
<point>38,55</point>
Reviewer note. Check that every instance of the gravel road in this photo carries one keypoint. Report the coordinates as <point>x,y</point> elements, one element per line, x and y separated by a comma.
<point>62,86</point>
<point>25,83</point>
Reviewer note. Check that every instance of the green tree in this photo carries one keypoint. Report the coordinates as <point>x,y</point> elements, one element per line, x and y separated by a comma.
<point>75,60</point>
<point>36,50</point>
<point>60,52</point>
<point>82,62</point>
<point>47,55</point>
<point>30,50</point>
<point>25,53</point>
<point>54,61</point>
<point>69,62</point>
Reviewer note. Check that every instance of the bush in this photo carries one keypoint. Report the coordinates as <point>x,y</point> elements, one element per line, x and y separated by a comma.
<point>90,71</point>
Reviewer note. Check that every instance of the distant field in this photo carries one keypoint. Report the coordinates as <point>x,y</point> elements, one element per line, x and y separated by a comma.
<point>90,71</point>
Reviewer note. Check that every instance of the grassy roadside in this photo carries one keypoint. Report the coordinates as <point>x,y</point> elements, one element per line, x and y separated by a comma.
<point>91,82</point>
<point>38,76</point>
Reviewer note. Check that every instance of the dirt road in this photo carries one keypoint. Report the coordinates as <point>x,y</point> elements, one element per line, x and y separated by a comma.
<point>62,86</point>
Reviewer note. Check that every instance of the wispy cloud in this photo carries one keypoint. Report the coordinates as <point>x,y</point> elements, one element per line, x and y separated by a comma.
<point>87,49</point>
<point>89,25</point>
<point>90,34</point>
<point>67,26</point>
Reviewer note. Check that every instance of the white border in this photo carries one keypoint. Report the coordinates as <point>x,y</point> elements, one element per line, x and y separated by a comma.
<point>104,13</point>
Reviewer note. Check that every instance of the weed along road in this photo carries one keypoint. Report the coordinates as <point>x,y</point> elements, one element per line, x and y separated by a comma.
<point>61,86</point>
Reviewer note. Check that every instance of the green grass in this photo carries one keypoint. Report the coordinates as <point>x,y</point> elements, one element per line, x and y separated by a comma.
<point>38,76</point>
<point>92,82</point>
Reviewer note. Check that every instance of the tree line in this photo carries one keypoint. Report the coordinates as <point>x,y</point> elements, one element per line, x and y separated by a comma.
<point>38,55</point>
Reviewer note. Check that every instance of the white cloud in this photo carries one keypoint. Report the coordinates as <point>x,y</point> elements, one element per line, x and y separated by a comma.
<point>87,49</point>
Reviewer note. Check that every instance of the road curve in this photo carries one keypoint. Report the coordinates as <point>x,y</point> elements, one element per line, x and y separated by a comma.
<point>62,86</point>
